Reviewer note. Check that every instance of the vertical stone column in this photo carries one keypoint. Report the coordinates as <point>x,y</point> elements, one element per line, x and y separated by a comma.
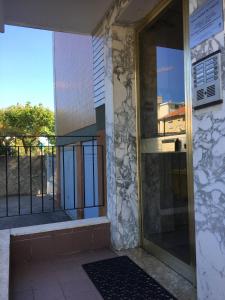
<point>209,183</point>
<point>121,138</point>
<point>2,25</point>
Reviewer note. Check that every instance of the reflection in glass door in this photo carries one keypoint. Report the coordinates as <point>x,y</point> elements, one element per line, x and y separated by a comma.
<point>163,138</point>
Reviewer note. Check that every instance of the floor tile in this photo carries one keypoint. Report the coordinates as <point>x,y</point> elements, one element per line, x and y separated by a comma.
<point>78,295</point>
<point>49,293</point>
<point>44,282</point>
<point>76,275</point>
<point>72,287</point>
<point>23,295</point>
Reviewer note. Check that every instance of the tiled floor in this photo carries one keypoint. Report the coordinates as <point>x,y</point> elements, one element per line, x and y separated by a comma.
<point>63,278</point>
<point>57,279</point>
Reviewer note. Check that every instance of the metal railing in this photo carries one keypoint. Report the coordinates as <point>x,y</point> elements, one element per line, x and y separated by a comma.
<point>53,177</point>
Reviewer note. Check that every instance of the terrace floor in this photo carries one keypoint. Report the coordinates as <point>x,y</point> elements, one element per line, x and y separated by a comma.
<point>63,278</point>
<point>56,279</point>
<point>26,219</point>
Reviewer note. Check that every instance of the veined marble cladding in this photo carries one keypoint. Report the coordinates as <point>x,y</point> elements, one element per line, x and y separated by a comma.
<point>122,198</point>
<point>209,183</point>
<point>125,138</point>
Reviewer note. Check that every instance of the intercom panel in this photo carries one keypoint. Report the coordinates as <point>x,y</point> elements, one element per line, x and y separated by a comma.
<point>206,76</point>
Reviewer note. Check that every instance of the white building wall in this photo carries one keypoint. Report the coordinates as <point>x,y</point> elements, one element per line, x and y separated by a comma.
<point>73,67</point>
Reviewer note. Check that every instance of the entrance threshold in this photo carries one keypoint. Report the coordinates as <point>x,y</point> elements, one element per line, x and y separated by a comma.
<point>167,277</point>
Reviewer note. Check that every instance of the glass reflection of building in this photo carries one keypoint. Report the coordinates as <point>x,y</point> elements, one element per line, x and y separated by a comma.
<point>171,117</point>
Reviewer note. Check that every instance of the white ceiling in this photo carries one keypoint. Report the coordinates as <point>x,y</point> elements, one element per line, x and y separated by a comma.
<point>77,16</point>
<point>137,10</point>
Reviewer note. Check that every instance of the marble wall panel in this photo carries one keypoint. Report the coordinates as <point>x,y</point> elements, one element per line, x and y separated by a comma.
<point>209,183</point>
<point>120,110</point>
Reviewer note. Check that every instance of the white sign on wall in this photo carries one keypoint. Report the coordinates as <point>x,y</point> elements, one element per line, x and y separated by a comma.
<point>206,21</point>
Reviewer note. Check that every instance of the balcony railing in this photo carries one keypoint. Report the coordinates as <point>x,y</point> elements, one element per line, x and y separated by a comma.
<point>66,174</point>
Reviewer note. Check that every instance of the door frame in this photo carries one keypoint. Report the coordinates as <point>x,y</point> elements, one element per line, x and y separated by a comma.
<point>188,271</point>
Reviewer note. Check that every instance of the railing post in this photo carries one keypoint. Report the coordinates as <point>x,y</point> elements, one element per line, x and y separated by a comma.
<point>53,179</point>
<point>64,187</point>
<point>74,178</point>
<point>58,177</point>
<point>18,179</point>
<point>101,173</point>
<point>93,170</point>
<point>31,193</point>
<point>80,181</point>
<point>42,181</point>
<point>6,182</point>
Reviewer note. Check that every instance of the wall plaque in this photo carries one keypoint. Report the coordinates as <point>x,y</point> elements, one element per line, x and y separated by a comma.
<point>206,21</point>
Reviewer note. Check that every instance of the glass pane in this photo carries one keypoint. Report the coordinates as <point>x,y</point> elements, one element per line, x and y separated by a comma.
<point>170,91</point>
<point>164,172</point>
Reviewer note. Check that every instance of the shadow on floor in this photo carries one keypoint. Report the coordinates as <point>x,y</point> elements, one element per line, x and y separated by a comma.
<point>42,211</point>
<point>30,220</point>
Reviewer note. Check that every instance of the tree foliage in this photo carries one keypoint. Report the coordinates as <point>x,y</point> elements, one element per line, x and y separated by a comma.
<point>26,120</point>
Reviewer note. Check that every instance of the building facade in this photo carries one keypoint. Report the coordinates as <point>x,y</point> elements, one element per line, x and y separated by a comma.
<point>131,82</point>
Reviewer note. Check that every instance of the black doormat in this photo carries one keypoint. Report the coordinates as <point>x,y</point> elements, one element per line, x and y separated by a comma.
<point>120,278</point>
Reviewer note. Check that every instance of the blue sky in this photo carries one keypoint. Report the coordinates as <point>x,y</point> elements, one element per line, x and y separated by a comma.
<point>170,71</point>
<point>26,67</point>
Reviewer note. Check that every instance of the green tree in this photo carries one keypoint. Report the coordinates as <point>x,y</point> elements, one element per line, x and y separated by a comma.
<point>26,120</point>
<point>9,133</point>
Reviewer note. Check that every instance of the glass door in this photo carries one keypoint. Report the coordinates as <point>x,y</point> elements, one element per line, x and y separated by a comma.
<point>165,213</point>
